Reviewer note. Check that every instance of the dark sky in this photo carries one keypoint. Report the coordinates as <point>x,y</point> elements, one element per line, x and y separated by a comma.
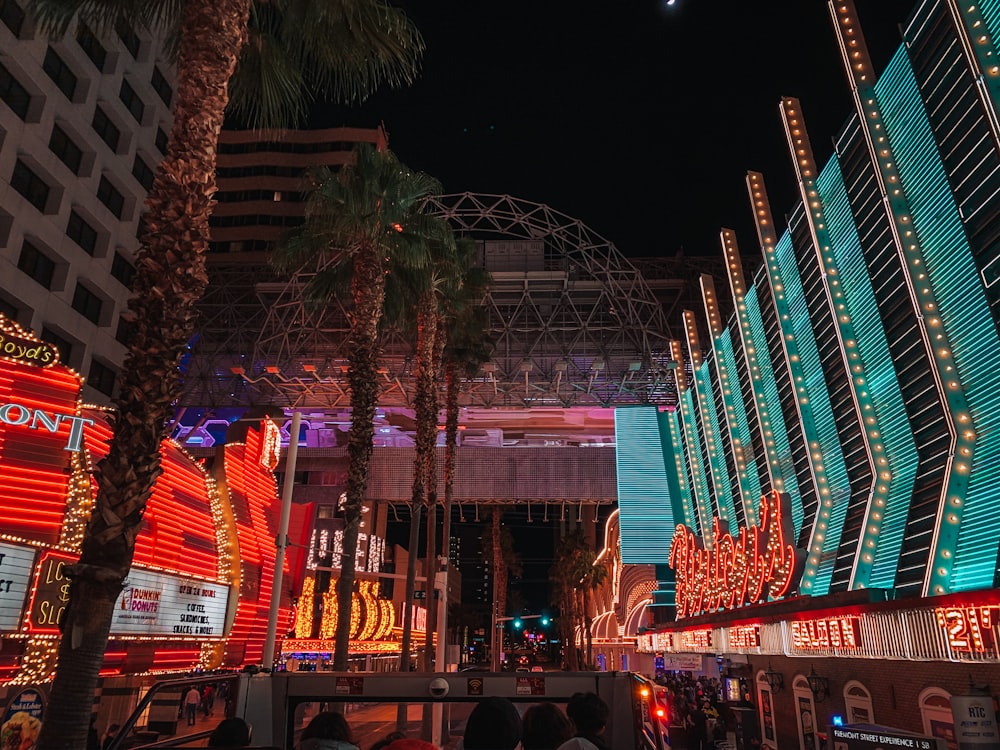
<point>639,119</point>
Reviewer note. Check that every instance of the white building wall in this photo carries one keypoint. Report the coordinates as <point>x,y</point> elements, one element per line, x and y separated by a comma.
<point>50,309</point>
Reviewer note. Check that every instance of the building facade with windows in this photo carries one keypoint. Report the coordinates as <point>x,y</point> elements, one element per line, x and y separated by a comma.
<point>83,126</point>
<point>827,485</point>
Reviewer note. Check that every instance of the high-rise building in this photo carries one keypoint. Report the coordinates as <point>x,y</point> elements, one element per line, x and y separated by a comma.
<point>83,126</point>
<point>857,389</point>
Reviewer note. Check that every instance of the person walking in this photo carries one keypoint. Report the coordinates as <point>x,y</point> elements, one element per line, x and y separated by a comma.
<point>191,703</point>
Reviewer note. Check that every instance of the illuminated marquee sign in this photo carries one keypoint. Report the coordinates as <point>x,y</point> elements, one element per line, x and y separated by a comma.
<point>969,628</point>
<point>756,565</point>
<point>155,603</point>
<point>152,603</point>
<point>26,351</point>
<point>18,415</point>
<point>15,579</point>
<point>744,636</point>
<point>824,634</point>
<point>696,639</point>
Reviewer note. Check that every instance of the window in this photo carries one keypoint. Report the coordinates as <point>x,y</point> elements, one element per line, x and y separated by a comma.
<point>12,16</point>
<point>92,47</point>
<point>142,172</point>
<point>14,94</point>
<point>81,232</point>
<point>68,152</point>
<point>129,38</point>
<point>122,270</point>
<point>87,303</point>
<point>132,101</point>
<point>110,196</point>
<point>161,87</point>
<point>36,264</point>
<point>8,310</point>
<point>59,72</point>
<point>123,334</point>
<point>108,131</point>
<point>30,185</point>
<point>101,378</point>
<point>62,345</point>
<point>161,140</point>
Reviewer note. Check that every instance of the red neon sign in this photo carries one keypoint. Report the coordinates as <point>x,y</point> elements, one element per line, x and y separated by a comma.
<point>826,633</point>
<point>744,636</point>
<point>970,629</point>
<point>758,564</point>
<point>696,638</point>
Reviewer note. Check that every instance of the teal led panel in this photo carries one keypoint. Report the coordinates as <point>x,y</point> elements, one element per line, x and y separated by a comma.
<point>778,433</point>
<point>964,314</point>
<point>695,462</point>
<point>990,10</point>
<point>888,523</point>
<point>818,408</point>
<point>739,426</point>
<point>646,513</point>
<point>713,446</point>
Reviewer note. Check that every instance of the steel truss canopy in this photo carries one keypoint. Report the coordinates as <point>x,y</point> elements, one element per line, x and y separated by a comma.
<point>574,324</point>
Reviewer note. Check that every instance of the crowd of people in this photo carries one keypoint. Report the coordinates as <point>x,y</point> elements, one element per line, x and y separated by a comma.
<point>696,705</point>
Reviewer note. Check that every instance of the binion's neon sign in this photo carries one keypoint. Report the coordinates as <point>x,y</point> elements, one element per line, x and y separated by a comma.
<point>758,564</point>
<point>18,415</point>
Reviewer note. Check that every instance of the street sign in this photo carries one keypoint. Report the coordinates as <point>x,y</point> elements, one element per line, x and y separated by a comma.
<point>419,594</point>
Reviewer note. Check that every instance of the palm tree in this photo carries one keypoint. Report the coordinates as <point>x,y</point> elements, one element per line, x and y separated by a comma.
<point>351,47</point>
<point>573,576</point>
<point>594,578</point>
<point>361,224</point>
<point>423,289</point>
<point>466,346</point>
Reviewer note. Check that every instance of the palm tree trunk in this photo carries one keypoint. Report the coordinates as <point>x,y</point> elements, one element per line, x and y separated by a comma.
<point>368,292</point>
<point>170,279</point>
<point>431,482</point>
<point>411,577</point>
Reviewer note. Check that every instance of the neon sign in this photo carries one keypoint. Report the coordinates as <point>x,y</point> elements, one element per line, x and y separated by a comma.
<point>756,565</point>
<point>18,415</point>
<point>744,636</point>
<point>27,351</point>
<point>827,633</point>
<point>697,639</point>
<point>970,629</point>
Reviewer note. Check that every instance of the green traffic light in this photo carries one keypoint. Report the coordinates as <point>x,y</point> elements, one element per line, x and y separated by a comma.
<point>517,624</point>
<point>545,620</point>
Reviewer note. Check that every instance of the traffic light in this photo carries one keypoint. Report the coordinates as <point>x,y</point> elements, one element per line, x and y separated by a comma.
<point>545,620</point>
<point>518,624</point>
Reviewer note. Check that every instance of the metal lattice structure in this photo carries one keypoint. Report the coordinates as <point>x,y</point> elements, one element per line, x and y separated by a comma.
<point>574,323</point>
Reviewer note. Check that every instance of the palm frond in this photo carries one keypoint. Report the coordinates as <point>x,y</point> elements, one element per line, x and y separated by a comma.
<point>56,17</point>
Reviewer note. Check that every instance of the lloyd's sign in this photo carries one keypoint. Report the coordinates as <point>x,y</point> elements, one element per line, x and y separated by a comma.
<point>756,565</point>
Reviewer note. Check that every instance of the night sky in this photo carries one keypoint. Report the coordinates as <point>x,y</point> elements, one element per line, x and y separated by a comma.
<point>638,118</point>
